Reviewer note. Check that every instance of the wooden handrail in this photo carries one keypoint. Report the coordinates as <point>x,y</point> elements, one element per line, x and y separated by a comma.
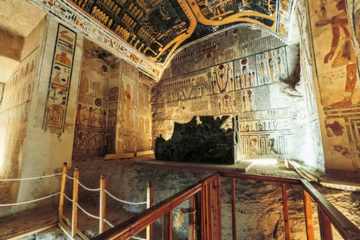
<point>210,210</point>
<point>345,227</point>
<point>137,223</point>
<point>275,179</point>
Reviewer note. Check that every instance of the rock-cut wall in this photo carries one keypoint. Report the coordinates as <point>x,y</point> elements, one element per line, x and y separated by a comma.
<point>251,75</point>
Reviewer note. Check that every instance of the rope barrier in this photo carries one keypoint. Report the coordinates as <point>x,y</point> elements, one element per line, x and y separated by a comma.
<point>30,201</point>
<point>69,177</point>
<point>89,189</point>
<point>138,238</point>
<point>123,201</point>
<point>87,213</point>
<point>68,198</point>
<point>108,223</point>
<point>29,178</point>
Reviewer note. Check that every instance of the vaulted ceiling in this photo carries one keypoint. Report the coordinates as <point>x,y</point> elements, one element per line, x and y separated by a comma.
<point>156,28</point>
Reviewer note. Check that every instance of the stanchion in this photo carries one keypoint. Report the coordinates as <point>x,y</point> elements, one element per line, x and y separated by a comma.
<point>286,211</point>
<point>308,211</point>
<point>74,222</point>
<point>62,193</point>
<point>233,207</point>
<point>149,203</point>
<point>102,209</point>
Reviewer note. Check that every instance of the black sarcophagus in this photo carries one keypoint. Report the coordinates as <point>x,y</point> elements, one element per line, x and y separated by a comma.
<point>205,139</point>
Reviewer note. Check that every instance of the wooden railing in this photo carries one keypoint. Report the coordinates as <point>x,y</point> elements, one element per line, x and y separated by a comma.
<point>205,224</point>
<point>73,231</point>
<point>328,215</point>
<point>204,212</point>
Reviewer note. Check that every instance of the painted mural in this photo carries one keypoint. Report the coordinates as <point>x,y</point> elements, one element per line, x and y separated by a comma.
<point>113,111</point>
<point>337,73</point>
<point>91,136</point>
<point>60,79</point>
<point>252,85</point>
<point>332,43</point>
<point>134,112</point>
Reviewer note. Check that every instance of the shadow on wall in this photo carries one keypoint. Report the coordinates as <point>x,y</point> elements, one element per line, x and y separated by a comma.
<point>205,139</point>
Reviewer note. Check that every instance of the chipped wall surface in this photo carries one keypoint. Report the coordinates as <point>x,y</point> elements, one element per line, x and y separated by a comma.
<point>249,74</point>
<point>336,81</point>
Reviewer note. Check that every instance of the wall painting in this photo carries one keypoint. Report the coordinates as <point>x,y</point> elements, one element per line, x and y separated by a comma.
<point>60,79</point>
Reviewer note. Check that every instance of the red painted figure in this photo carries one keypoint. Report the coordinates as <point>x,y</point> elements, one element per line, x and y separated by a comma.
<point>341,52</point>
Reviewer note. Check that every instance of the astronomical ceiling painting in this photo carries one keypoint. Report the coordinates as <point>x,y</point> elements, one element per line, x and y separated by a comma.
<point>156,28</point>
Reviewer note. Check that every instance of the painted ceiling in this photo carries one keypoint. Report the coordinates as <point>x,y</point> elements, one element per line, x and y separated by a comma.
<point>156,28</point>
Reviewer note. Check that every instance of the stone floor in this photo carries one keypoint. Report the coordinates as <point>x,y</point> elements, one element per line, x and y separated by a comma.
<point>27,221</point>
<point>50,234</point>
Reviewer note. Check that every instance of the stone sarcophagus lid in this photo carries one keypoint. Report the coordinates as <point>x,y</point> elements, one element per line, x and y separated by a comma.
<point>205,139</point>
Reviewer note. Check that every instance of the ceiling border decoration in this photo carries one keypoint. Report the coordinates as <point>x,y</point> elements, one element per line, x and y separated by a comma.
<point>96,32</point>
<point>271,19</point>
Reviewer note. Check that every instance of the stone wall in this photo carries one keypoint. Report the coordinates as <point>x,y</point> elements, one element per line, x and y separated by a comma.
<point>133,128</point>
<point>14,114</point>
<point>91,132</point>
<point>42,101</point>
<point>312,152</point>
<point>33,145</point>
<point>114,110</point>
<point>48,145</point>
<point>250,74</point>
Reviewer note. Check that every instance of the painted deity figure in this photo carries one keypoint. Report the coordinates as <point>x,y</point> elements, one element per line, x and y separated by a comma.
<point>341,52</point>
<point>222,75</point>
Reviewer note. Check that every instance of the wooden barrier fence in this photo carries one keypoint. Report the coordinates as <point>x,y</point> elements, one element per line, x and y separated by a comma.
<point>205,224</point>
<point>103,192</point>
